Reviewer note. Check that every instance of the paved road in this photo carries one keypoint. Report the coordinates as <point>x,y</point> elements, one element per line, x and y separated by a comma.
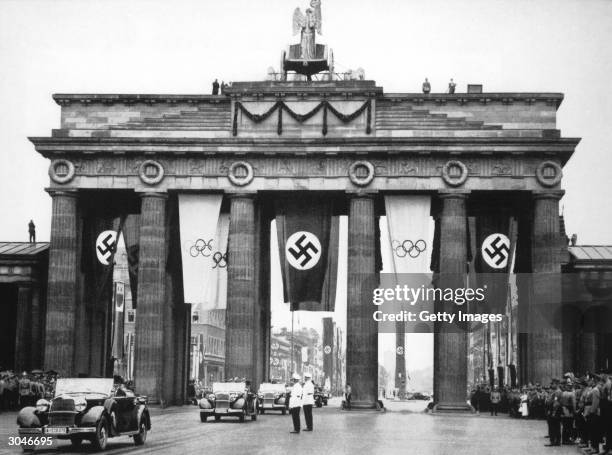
<point>402,429</point>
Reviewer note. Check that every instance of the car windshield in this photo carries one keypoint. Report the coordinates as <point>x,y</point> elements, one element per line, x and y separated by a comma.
<point>83,386</point>
<point>267,387</point>
<point>229,387</point>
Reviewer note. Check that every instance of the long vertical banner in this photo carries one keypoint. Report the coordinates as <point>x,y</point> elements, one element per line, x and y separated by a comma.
<point>204,232</point>
<point>410,239</point>
<point>308,250</point>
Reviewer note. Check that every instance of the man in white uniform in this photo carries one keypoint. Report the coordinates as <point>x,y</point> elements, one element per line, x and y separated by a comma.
<point>308,401</point>
<point>295,402</point>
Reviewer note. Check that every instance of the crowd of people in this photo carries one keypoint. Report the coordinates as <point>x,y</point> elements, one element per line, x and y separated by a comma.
<point>578,410</point>
<point>19,390</point>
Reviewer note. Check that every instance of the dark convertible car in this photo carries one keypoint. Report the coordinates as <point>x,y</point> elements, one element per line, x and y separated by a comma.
<point>229,399</point>
<point>86,409</point>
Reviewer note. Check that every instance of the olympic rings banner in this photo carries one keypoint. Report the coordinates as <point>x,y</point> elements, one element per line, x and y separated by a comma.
<point>204,234</point>
<point>410,233</point>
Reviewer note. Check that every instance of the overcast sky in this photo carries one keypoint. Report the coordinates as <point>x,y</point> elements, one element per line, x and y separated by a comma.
<point>80,46</point>
<point>181,46</point>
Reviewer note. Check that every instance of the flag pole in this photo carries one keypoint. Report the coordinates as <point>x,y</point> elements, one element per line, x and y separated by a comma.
<point>292,370</point>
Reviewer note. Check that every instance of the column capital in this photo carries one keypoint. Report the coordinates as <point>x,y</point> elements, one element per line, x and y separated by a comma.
<point>66,192</point>
<point>241,194</point>
<point>454,194</point>
<point>157,194</point>
<point>362,193</point>
<point>547,194</point>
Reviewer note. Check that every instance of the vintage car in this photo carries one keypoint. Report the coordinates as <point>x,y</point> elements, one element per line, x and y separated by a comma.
<point>271,397</point>
<point>320,397</point>
<point>86,409</point>
<point>229,399</point>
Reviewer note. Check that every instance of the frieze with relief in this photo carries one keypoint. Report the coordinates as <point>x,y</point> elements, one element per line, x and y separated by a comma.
<point>308,166</point>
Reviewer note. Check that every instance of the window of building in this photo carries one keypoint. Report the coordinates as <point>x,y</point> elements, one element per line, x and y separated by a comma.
<point>131,315</point>
<point>195,317</point>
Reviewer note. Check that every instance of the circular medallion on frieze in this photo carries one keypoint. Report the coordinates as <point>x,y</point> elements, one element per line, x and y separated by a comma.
<point>151,172</point>
<point>549,173</point>
<point>240,173</point>
<point>61,171</point>
<point>361,173</point>
<point>454,173</point>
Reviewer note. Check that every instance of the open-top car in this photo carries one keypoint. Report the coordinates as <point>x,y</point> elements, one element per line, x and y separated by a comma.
<point>86,409</point>
<point>271,397</point>
<point>229,399</point>
<point>320,397</point>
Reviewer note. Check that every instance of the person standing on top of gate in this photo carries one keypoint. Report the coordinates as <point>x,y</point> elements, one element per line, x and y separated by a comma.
<point>426,86</point>
<point>215,87</point>
<point>32,231</point>
<point>308,400</point>
<point>295,402</point>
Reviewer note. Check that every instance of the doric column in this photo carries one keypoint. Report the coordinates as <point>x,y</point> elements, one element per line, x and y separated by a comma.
<point>362,330</point>
<point>23,328</point>
<point>451,341</point>
<point>149,348</point>
<point>241,289</point>
<point>36,341</point>
<point>62,287</point>
<point>545,356</point>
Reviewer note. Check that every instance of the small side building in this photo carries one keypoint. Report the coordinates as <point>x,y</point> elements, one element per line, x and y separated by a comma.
<point>23,284</point>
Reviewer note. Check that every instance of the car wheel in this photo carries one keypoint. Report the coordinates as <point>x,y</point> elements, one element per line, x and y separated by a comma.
<point>241,418</point>
<point>254,417</point>
<point>262,411</point>
<point>100,439</point>
<point>76,442</point>
<point>284,411</point>
<point>203,417</point>
<point>141,437</point>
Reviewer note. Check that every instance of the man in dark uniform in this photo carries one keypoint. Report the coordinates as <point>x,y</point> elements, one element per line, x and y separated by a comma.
<point>553,414</point>
<point>568,406</point>
<point>215,87</point>
<point>426,87</point>
<point>606,411</point>
<point>32,231</point>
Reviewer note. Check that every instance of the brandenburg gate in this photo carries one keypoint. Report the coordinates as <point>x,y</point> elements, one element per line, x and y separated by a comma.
<point>130,157</point>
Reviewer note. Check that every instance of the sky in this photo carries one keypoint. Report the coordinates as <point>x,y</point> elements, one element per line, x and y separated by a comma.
<point>155,46</point>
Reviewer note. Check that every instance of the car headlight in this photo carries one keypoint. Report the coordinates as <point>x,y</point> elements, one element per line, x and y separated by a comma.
<point>260,396</point>
<point>233,396</point>
<point>80,404</point>
<point>42,405</point>
<point>211,396</point>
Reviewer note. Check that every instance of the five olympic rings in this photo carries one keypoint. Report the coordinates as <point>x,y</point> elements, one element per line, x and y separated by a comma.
<point>201,247</point>
<point>408,248</point>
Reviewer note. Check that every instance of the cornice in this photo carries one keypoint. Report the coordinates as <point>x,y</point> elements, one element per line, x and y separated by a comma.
<point>506,98</point>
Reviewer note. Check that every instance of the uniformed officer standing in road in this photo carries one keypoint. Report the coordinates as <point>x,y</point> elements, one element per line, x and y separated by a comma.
<point>308,401</point>
<point>295,402</point>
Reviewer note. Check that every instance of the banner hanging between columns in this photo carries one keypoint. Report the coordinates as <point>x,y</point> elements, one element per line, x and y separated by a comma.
<point>204,236</point>
<point>308,237</point>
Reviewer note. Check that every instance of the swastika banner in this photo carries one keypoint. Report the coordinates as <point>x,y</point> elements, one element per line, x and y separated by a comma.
<point>204,234</point>
<point>308,249</point>
<point>493,254</point>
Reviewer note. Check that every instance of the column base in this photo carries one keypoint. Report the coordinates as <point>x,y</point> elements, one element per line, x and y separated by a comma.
<point>453,408</point>
<point>366,406</point>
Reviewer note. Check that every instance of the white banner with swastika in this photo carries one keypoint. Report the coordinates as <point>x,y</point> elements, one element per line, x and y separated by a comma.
<point>204,233</point>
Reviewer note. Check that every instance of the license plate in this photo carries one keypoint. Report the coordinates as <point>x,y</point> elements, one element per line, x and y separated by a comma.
<point>53,430</point>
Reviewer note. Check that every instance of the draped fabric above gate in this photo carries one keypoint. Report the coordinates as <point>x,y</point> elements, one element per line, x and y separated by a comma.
<point>204,234</point>
<point>308,232</point>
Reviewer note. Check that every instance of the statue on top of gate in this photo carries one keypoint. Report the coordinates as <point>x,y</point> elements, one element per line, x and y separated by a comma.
<point>307,57</point>
<point>308,24</point>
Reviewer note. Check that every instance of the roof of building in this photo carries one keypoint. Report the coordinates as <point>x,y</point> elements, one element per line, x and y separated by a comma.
<point>591,253</point>
<point>22,248</point>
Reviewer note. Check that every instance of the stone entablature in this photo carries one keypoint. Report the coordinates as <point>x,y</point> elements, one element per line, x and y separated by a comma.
<point>399,164</point>
<point>388,115</point>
